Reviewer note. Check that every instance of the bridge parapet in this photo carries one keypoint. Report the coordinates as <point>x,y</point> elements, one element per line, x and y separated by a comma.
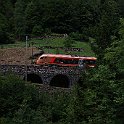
<point>39,69</point>
<point>45,73</point>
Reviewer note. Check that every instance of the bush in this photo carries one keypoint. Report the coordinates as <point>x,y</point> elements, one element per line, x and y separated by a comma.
<point>13,92</point>
<point>22,103</point>
<point>6,38</point>
<point>37,31</point>
<point>78,37</point>
<point>68,42</point>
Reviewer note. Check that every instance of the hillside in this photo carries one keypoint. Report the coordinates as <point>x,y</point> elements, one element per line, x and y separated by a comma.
<point>16,55</point>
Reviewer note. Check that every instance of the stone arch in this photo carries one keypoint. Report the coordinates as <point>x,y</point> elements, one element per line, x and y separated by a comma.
<point>34,78</point>
<point>60,80</point>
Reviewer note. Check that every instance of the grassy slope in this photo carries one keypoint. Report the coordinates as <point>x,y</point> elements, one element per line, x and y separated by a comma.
<point>58,42</point>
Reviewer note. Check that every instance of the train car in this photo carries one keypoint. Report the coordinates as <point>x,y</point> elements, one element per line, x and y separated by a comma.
<point>57,59</point>
<point>65,60</point>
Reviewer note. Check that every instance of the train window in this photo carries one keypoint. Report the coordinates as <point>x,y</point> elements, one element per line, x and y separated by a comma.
<point>75,61</point>
<point>91,62</point>
<point>41,57</point>
<point>58,60</point>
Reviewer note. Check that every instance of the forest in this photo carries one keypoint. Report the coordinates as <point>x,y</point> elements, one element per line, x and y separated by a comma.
<point>99,98</point>
<point>39,17</point>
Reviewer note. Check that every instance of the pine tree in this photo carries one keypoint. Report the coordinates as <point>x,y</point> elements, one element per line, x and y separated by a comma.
<point>19,17</point>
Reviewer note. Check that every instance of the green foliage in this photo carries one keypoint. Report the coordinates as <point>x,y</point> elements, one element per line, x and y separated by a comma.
<point>99,97</point>
<point>107,82</point>
<point>22,103</point>
<point>4,35</point>
<point>77,36</point>
<point>61,16</point>
<point>114,54</point>
<point>13,93</point>
<point>106,27</point>
<point>19,18</point>
<point>121,6</point>
<point>11,89</point>
<point>68,42</point>
<point>37,30</point>
<point>56,42</point>
<point>26,115</point>
<point>114,58</point>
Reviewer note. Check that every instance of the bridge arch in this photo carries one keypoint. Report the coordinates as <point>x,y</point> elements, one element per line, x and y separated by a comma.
<point>60,80</point>
<point>34,78</point>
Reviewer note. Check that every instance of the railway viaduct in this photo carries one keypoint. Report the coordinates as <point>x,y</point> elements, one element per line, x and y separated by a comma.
<point>52,76</point>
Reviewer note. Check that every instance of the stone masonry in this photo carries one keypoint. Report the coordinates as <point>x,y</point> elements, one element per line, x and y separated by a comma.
<point>55,76</point>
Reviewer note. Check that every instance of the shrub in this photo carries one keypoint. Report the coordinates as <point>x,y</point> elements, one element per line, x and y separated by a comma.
<point>68,42</point>
<point>13,92</point>
<point>78,36</point>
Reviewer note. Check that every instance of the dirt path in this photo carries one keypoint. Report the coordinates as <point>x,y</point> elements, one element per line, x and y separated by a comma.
<point>16,55</point>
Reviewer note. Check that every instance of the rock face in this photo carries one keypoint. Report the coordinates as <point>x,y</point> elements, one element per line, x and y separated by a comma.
<point>16,55</point>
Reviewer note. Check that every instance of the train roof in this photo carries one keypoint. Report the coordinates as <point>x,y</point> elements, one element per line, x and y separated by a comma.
<point>55,55</point>
<point>70,56</point>
<point>87,57</point>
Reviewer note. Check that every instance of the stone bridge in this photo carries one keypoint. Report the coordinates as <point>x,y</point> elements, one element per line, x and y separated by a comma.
<point>52,76</point>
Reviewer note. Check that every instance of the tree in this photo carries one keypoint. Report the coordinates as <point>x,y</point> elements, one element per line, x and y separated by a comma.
<point>114,57</point>
<point>107,26</point>
<point>121,6</point>
<point>6,23</point>
<point>34,16</point>
<point>4,35</point>
<point>19,17</point>
<point>37,30</point>
<point>99,97</point>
